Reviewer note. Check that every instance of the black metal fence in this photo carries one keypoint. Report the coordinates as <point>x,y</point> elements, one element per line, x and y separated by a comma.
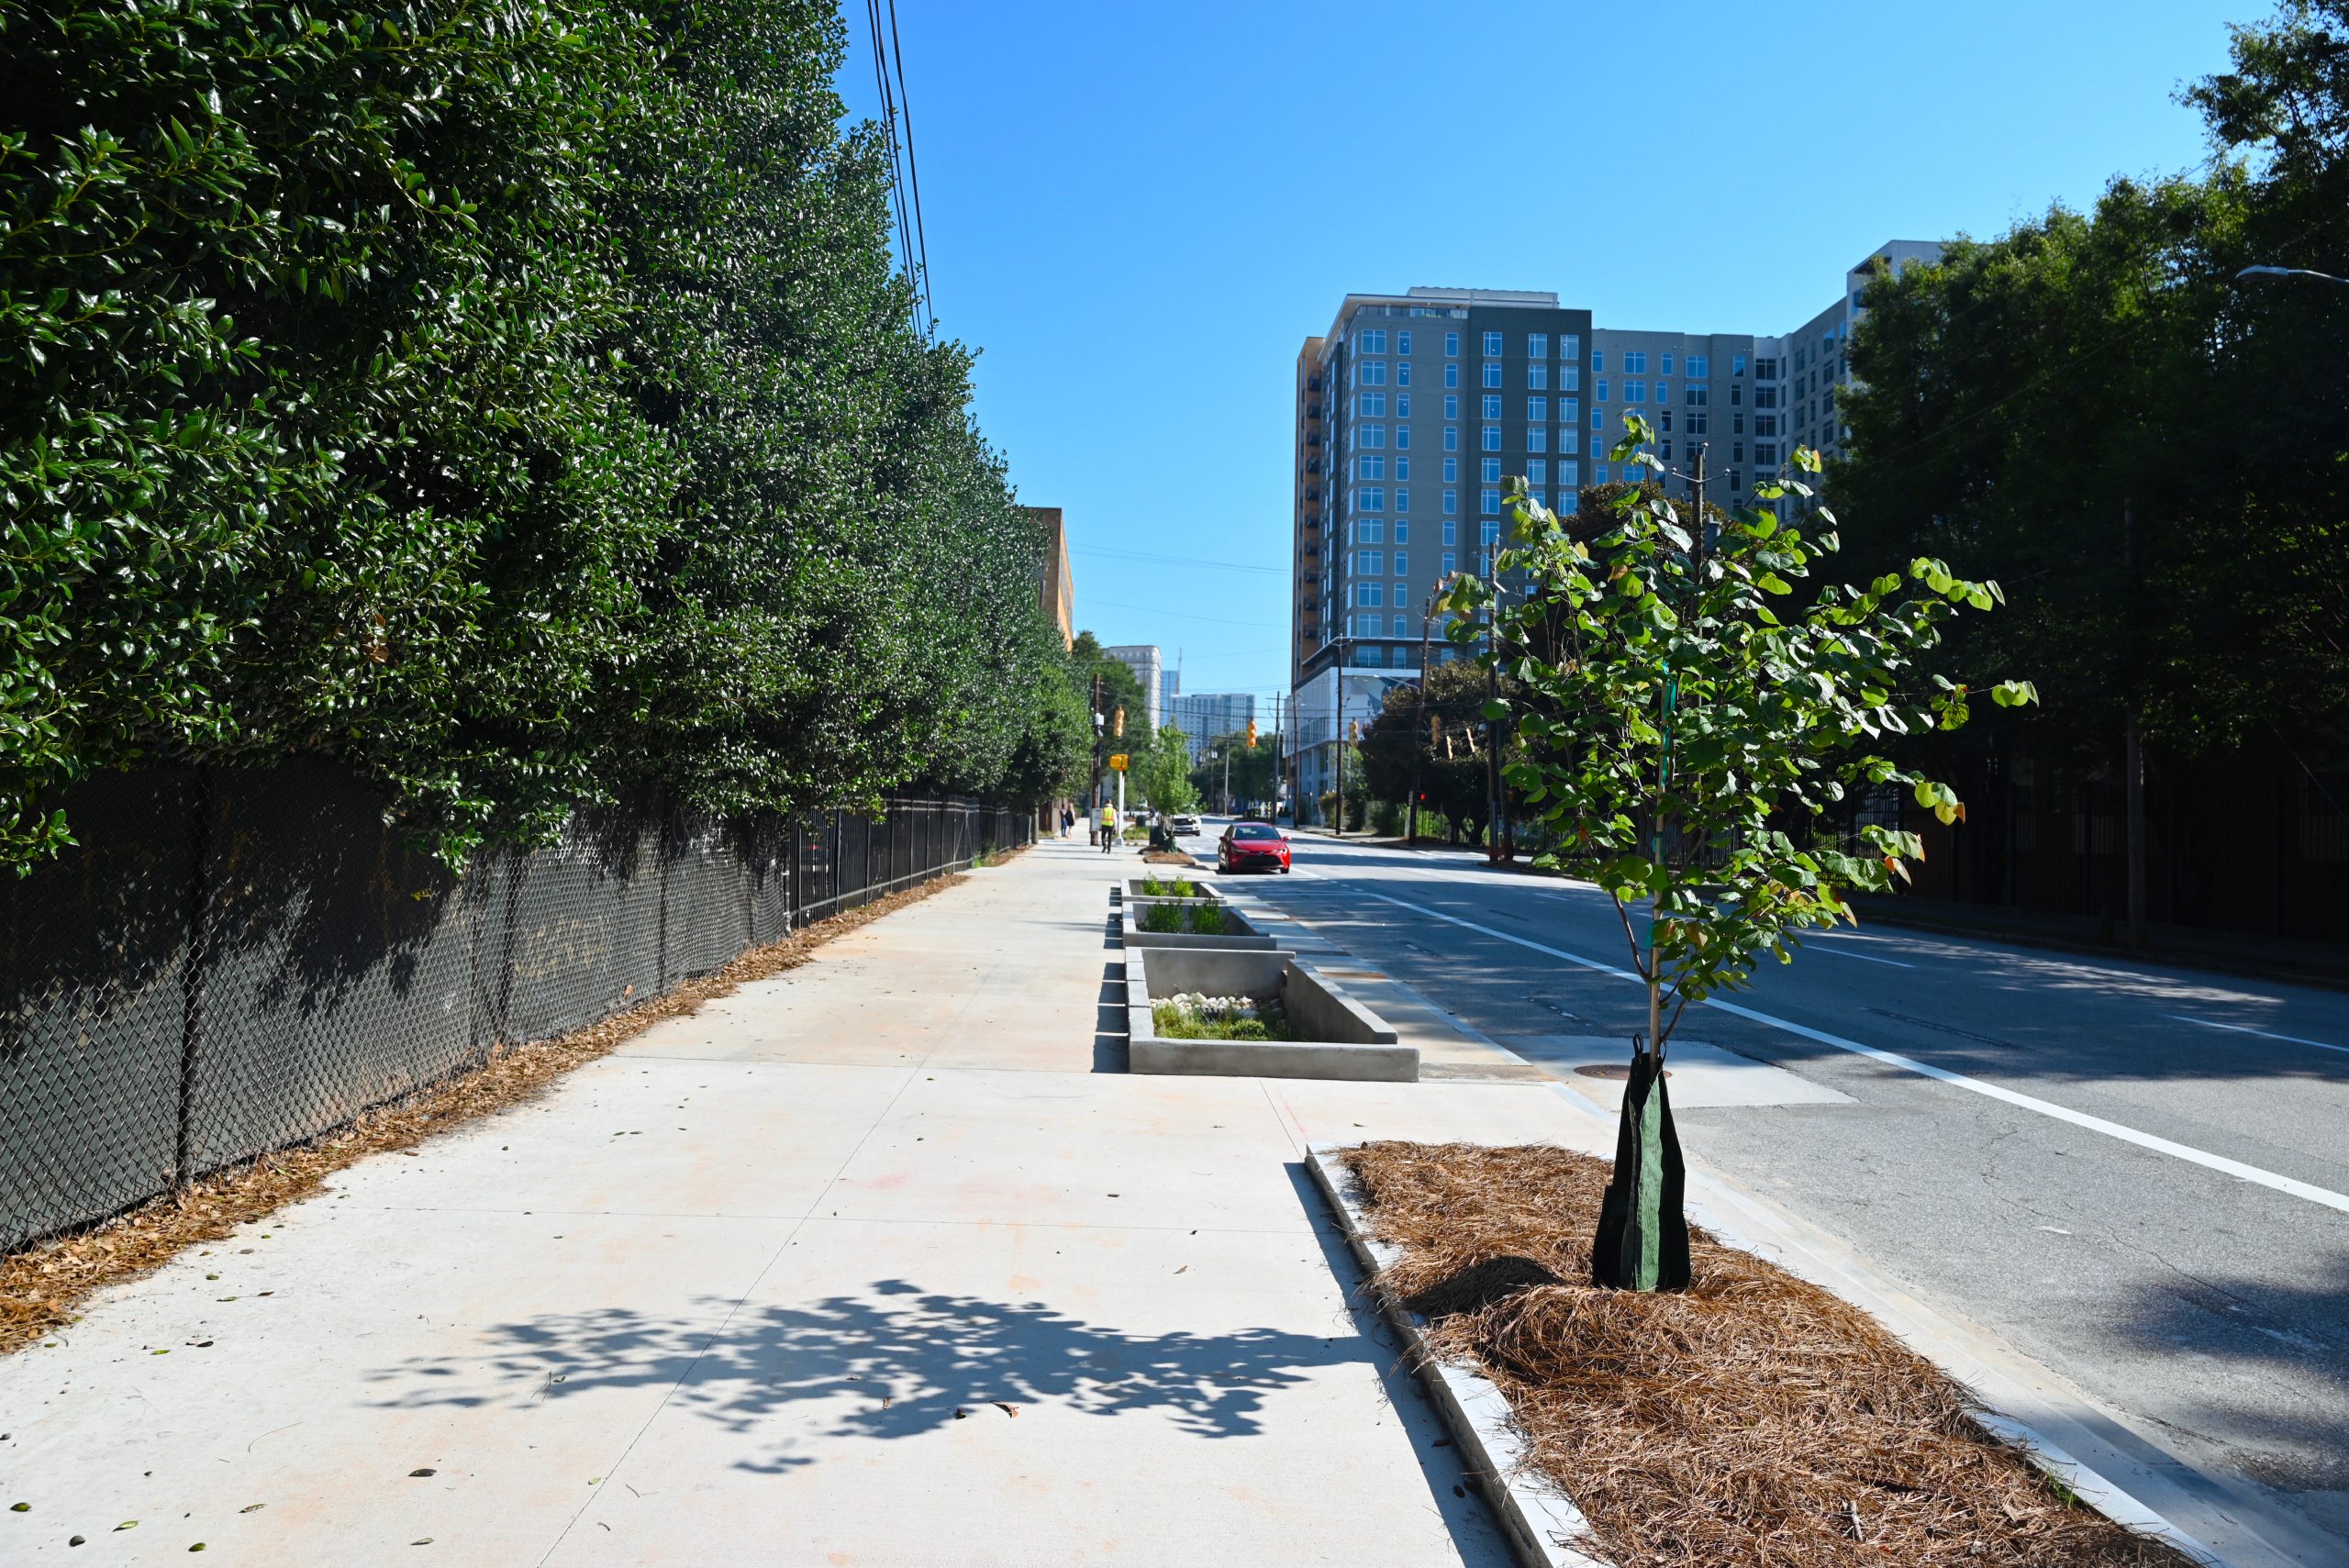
<point>234,963</point>
<point>2258,845</point>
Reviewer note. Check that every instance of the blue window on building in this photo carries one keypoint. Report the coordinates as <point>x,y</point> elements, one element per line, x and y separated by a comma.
<point>1402,532</point>
<point>1492,533</point>
<point>1537,472</point>
<point>1492,470</point>
<point>1402,566</point>
<point>1452,407</point>
<point>1370,562</point>
<point>1451,533</point>
<point>1451,563</point>
<point>1374,498</point>
<point>1370,468</point>
<point>1451,437</point>
<point>1570,474</point>
<point>1598,419</point>
<point>1373,373</point>
<point>1699,367</point>
<point>1635,362</point>
<point>1452,375</point>
<point>1402,437</point>
<point>1402,500</point>
<point>1492,373</point>
<point>1492,442</point>
<point>1371,341</point>
<point>1402,342</point>
<point>1451,471</point>
<point>1537,438</point>
<point>1492,345</point>
<point>1402,373</point>
<point>1635,392</point>
<point>1598,473</point>
<point>1537,345</point>
<point>1492,403</point>
<point>1374,436</point>
<point>1597,361</point>
<point>1451,345</point>
<point>1403,467</point>
<point>1451,504</point>
<point>1489,502</point>
<point>1370,594</point>
<point>1402,626</point>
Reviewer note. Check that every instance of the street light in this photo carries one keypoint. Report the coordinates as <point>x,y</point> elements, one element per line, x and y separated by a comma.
<point>2267,272</point>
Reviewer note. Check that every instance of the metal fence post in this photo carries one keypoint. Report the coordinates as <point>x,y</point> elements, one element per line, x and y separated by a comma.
<point>192,977</point>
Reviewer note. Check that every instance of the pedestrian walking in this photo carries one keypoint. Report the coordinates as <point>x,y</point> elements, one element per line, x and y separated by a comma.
<point>1068,819</point>
<point>1108,827</point>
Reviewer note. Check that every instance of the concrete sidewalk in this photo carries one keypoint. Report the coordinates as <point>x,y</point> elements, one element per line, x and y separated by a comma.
<point>883,1261</point>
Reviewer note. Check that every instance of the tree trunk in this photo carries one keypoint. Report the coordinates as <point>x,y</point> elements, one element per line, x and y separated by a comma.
<point>2135,764</point>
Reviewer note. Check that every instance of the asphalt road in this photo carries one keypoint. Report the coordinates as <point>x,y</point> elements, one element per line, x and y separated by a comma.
<point>2136,1176</point>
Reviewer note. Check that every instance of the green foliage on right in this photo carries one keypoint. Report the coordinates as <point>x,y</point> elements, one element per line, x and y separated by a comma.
<point>2153,457</point>
<point>516,404</point>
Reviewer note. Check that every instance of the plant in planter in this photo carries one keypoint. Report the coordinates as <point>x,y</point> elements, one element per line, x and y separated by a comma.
<point>1688,726</point>
<point>1195,919</point>
<point>1195,1017</point>
<point>1178,888</point>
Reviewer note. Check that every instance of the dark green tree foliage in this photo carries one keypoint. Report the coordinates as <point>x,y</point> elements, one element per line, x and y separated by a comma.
<point>1451,767</point>
<point>514,402</point>
<point>2154,460</point>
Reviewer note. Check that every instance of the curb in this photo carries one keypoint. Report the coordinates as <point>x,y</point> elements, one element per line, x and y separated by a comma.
<point>1536,1519</point>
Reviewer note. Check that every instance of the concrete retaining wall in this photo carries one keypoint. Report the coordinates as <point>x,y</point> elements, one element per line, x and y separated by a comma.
<point>1339,1038</point>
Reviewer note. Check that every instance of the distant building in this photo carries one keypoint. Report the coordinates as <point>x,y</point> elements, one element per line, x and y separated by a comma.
<point>1203,716</point>
<point>1148,665</point>
<point>1413,411</point>
<point>1055,586</point>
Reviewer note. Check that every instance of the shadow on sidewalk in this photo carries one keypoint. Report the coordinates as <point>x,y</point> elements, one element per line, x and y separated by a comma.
<point>893,1362</point>
<point>1109,1021</point>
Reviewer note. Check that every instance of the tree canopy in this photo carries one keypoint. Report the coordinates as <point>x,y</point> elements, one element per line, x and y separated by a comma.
<point>2151,455</point>
<point>516,403</point>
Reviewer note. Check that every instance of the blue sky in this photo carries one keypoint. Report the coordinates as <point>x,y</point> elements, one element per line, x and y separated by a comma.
<point>1138,212</point>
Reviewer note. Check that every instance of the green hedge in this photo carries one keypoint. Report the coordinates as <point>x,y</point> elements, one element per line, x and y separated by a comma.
<point>515,402</point>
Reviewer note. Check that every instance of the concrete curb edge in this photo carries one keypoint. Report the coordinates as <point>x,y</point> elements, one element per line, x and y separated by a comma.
<point>1474,1412</point>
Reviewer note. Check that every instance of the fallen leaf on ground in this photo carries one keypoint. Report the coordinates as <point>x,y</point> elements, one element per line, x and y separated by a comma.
<point>1006,1409</point>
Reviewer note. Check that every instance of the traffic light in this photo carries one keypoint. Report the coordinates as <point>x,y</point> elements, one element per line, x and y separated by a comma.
<point>1118,728</point>
<point>1252,735</point>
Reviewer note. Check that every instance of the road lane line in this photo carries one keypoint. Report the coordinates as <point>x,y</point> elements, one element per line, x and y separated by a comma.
<point>1841,953</point>
<point>2238,1028</point>
<point>2113,1129</point>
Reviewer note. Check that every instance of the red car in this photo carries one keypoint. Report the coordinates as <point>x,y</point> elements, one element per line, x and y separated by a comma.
<point>1251,846</point>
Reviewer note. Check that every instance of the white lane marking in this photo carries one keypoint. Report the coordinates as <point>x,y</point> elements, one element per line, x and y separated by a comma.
<point>2114,1129</point>
<point>1863,957</point>
<point>2238,1028</point>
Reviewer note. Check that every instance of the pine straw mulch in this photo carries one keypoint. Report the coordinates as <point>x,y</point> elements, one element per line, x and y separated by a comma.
<point>1755,1419</point>
<point>40,1286</point>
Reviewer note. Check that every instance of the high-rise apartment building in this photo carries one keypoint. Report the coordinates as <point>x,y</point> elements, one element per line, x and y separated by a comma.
<point>1204,716</point>
<point>1414,409</point>
<point>1149,666</point>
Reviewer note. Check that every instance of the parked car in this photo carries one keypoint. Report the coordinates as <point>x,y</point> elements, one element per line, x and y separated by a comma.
<point>1185,825</point>
<point>1251,846</point>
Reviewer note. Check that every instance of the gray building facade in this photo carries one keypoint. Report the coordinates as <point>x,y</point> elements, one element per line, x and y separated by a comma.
<point>1413,410</point>
<point>1204,716</point>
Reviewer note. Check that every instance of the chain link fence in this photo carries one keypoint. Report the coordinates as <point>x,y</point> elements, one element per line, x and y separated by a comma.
<point>233,963</point>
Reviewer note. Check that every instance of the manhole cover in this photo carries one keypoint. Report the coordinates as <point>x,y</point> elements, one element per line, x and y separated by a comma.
<point>1611,1072</point>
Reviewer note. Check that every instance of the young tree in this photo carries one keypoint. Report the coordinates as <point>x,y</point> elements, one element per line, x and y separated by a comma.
<point>1162,776</point>
<point>1686,723</point>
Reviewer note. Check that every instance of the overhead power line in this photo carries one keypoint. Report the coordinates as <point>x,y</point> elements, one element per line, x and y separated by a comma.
<point>903,183</point>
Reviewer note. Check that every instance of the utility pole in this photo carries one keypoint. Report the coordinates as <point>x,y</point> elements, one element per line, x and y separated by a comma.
<point>1495,801</point>
<point>1419,711</point>
<point>2134,762</point>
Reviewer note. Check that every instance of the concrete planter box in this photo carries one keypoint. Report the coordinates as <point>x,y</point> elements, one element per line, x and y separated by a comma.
<point>1338,1036</point>
<point>1236,933</point>
<point>1133,888</point>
